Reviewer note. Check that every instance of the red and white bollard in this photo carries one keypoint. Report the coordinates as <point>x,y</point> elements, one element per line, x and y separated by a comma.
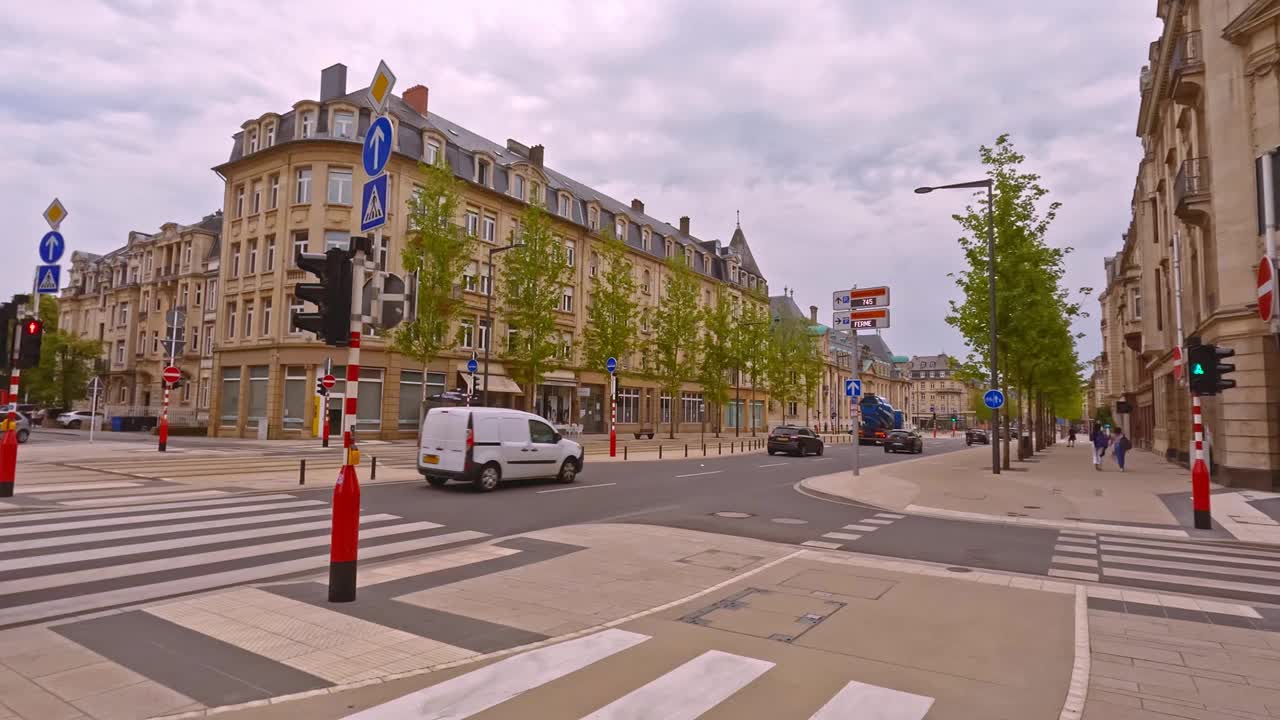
<point>163,431</point>
<point>613,415</point>
<point>9,444</point>
<point>1199,471</point>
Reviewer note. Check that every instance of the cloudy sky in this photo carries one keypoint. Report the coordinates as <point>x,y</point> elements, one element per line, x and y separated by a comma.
<point>815,119</point>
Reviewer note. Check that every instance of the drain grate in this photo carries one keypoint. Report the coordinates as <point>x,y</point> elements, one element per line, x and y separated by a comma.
<point>959,569</point>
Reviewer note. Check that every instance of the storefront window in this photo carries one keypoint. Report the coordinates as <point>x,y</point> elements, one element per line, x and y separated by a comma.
<point>554,402</point>
<point>628,405</point>
<point>691,407</point>
<point>295,396</point>
<point>257,411</point>
<point>230,398</point>
<point>410,399</point>
<point>664,404</point>
<point>369,399</point>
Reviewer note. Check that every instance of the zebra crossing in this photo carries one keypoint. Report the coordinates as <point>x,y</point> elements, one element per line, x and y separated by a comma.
<point>1226,570</point>
<point>525,685</point>
<point>66,562</point>
<point>854,531</point>
<point>1075,556</point>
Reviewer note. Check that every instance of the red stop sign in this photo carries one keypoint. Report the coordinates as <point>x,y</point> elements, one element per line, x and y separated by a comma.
<point>328,381</point>
<point>171,374</point>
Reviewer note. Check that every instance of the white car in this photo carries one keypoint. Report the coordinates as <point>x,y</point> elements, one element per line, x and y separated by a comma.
<point>485,446</point>
<point>75,418</point>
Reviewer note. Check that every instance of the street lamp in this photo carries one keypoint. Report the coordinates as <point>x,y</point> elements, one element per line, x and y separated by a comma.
<point>488,318</point>
<point>991,285</point>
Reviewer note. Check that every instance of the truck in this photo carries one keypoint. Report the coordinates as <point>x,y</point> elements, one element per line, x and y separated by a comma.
<point>878,418</point>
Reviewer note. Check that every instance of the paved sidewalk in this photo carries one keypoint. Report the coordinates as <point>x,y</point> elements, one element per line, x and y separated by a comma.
<point>1059,488</point>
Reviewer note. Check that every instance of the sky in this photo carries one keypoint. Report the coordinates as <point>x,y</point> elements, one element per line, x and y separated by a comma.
<point>813,119</point>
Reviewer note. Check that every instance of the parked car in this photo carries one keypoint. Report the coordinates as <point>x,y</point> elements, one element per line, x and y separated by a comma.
<point>484,446</point>
<point>976,435</point>
<point>904,441</point>
<point>76,418</point>
<point>795,440</point>
<point>23,423</point>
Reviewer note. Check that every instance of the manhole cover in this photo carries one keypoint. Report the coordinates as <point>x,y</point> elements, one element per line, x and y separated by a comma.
<point>734,515</point>
<point>790,521</point>
<point>958,569</point>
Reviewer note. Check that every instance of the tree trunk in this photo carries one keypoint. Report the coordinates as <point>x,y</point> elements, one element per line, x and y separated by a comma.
<point>1004,417</point>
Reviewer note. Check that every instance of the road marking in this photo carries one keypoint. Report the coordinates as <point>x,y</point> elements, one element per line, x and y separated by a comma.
<point>823,545</point>
<point>65,487</point>
<point>1195,582</point>
<point>1080,533</point>
<point>773,465</point>
<point>102,501</point>
<point>1194,567</point>
<point>1260,553</point>
<point>1073,574</point>
<point>859,700</point>
<point>1116,549</point>
<point>576,487</point>
<point>877,521</point>
<point>862,528</point>
<point>688,691</point>
<point>699,474</point>
<point>151,517</point>
<point>841,536</point>
<point>891,516</point>
<point>155,591</point>
<point>1068,560</point>
<point>63,514</point>
<point>472,693</point>
<point>1060,548</point>
<point>139,493</point>
<point>161,530</point>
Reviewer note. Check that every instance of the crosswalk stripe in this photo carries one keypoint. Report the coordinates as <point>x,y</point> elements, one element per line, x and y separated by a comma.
<point>1078,533</point>
<point>859,701</point>
<point>1088,542</point>
<point>60,540</point>
<point>63,514</point>
<point>44,582</point>
<point>153,517</point>
<point>891,516</point>
<point>139,493</point>
<point>1073,574</point>
<point>862,528</point>
<point>1068,560</point>
<point>472,693</point>
<point>1195,581</point>
<point>1193,567</point>
<point>145,498</point>
<point>1078,549</point>
<point>877,521</point>
<point>153,591</point>
<point>66,487</point>
<point>841,536</point>
<point>186,542</point>
<point>823,545</point>
<point>1194,547</point>
<point>1126,551</point>
<point>688,691</point>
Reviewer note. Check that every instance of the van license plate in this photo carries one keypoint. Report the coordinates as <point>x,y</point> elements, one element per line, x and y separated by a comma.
<point>431,459</point>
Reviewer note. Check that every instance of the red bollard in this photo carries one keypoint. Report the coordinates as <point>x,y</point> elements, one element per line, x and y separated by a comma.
<point>345,538</point>
<point>164,433</point>
<point>324,442</point>
<point>8,462</point>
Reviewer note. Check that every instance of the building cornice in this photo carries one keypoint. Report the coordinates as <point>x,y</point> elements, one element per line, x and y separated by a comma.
<point>1253,18</point>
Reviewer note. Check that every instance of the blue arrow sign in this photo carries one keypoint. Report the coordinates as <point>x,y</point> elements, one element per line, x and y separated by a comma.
<point>993,399</point>
<point>472,365</point>
<point>373,204</point>
<point>377,146</point>
<point>853,388</point>
<point>48,279</point>
<point>51,246</point>
<point>611,364</point>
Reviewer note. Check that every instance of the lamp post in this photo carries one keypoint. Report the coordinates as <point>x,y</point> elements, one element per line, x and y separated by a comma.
<point>991,286</point>
<point>488,317</point>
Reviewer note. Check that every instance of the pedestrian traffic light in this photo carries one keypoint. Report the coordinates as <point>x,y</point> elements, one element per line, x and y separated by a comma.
<point>1205,369</point>
<point>29,338</point>
<point>320,387</point>
<point>331,322</point>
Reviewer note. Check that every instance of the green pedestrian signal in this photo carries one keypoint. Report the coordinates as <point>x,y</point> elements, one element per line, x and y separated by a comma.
<point>1197,369</point>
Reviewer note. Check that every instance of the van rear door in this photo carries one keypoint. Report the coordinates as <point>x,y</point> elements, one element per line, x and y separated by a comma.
<point>443,444</point>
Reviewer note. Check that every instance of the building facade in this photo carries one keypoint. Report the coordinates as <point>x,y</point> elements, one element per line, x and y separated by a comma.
<point>123,300</point>
<point>936,393</point>
<point>1209,110</point>
<point>292,183</point>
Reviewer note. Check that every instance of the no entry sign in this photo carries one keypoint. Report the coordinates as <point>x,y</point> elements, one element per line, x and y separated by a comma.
<point>1266,288</point>
<point>171,374</point>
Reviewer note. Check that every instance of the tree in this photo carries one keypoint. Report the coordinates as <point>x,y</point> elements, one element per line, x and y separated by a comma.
<point>675,336</point>
<point>534,275</point>
<point>789,351</point>
<point>718,354</point>
<point>436,251</point>
<point>66,362</point>
<point>613,315</point>
<point>750,351</point>
<point>811,364</point>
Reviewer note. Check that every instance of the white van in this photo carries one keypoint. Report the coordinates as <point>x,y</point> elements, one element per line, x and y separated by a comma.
<point>485,446</point>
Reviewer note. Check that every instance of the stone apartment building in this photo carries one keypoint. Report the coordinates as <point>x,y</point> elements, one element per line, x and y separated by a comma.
<point>292,184</point>
<point>122,298</point>
<point>936,391</point>
<point>1209,110</point>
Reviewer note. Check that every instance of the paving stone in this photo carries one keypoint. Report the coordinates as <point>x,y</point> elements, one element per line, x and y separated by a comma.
<point>1195,672</point>
<point>89,680</point>
<point>135,702</point>
<point>1134,650</point>
<point>32,702</point>
<point>1098,695</point>
<point>1102,681</point>
<point>57,657</point>
<point>1102,710</point>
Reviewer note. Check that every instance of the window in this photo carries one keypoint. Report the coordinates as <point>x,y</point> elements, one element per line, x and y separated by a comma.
<point>595,263</point>
<point>535,192</point>
<point>410,399</point>
<point>646,282</point>
<point>248,318</point>
<point>124,313</point>
<point>119,352</point>
<point>213,292</point>
<point>668,249</point>
<point>336,239</point>
<point>339,186</point>
<point>270,135</point>
<point>383,246</point>
<point>484,280</point>
<point>208,340</point>
<point>483,336</point>
<point>490,228</point>
<point>273,196</point>
<point>253,258</point>
<point>344,124</point>
<point>691,407</point>
<point>271,253</point>
<point>566,347</point>
<point>664,408</point>
<point>257,412</point>
<point>792,410</point>
<point>231,320</point>
<point>540,432</point>
<point>431,153</point>
<point>566,299</point>
<point>229,401</point>
<point>239,200</point>
<point>295,307</point>
<point>570,252</point>
<point>155,340</point>
<point>483,170</point>
<point>593,219</point>
<point>563,206</point>
<point>295,396</point>
<point>299,246</point>
<point>646,238</point>
<point>620,229</point>
<point>186,392</point>
<point>307,127</point>
<point>473,222</point>
<point>302,186</point>
<point>466,334</point>
<point>517,186</point>
<point>1137,304</point>
<point>266,316</point>
<point>257,198</point>
<point>195,339</point>
<point>369,399</point>
<point>469,277</point>
<point>628,405</point>
<point>185,294</point>
<point>251,138</point>
<point>186,254</point>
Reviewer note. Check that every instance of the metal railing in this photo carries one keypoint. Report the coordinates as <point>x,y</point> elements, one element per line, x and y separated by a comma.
<point>1192,179</point>
<point>1186,52</point>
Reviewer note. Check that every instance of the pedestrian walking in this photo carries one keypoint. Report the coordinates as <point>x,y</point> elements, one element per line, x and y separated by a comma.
<point>1071,436</point>
<point>1098,438</point>
<point>1120,443</point>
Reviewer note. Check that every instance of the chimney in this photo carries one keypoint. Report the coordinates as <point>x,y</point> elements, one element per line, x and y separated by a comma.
<point>813,314</point>
<point>333,82</point>
<point>416,98</point>
<point>517,147</point>
<point>535,155</point>
<point>684,225</point>
<point>637,205</point>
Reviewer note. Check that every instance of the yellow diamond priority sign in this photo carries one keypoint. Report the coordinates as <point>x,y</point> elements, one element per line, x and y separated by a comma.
<point>380,89</point>
<point>55,214</point>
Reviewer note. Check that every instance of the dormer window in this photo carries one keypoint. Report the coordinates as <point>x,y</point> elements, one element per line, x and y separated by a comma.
<point>344,124</point>
<point>270,133</point>
<point>517,186</point>
<point>251,142</point>
<point>484,171</point>
<point>646,239</point>
<point>431,151</point>
<point>307,126</point>
<point>535,192</point>
<point>668,249</point>
<point>562,205</point>
<point>620,228</point>
<point>593,219</point>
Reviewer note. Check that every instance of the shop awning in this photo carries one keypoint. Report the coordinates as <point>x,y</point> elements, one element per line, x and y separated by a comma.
<point>564,378</point>
<point>497,383</point>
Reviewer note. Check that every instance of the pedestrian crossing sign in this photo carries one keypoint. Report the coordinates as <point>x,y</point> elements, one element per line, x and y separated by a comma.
<point>373,204</point>
<point>48,279</point>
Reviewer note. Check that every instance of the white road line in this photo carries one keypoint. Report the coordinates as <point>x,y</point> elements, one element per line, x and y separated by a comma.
<point>841,536</point>
<point>1194,547</point>
<point>65,487</point>
<point>139,593</point>
<point>1114,550</point>
<point>472,693</point>
<point>709,472</point>
<point>151,517</point>
<point>823,545</point>
<point>576,487</point>
<point>186,542</point>
<point>1060,548</point>
<point>64,514</point>
<point>146,498</point>
<point>688,691</point>
<point>1194,567</point>
<point>862,528</point>
<point>891,516</point>
<point>1195,582</point>
<point>859,700</point>
<point>129,569</point>
<point>773,465</point>
<point>140,493</point>
<point>77,539</point>
<point>1068,560</point>
<point>1074,575</point>
<point>877,521</point>
<point>1077,542</point>
<point>1078,533</point>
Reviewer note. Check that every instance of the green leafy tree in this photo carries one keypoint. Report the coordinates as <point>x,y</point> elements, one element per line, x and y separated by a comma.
<point>533,278</point>
<point>66,362</point>
<point>718,354</point>
<point>436,251</point>
<point>751,352</point>
<point>675,336</point>
<point>613,314</point>
<point>789,350</point>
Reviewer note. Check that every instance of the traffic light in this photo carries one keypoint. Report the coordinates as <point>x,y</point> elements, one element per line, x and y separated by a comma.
<point>1204,369</point>
<point>331,295</point>
<point>320,387</point>
<point>29,338</point>
<point>8,313</point>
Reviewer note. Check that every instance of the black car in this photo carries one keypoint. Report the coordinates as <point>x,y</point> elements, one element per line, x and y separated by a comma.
<point>904,441</point>
<point>976,435</point>
<point>795,440</point>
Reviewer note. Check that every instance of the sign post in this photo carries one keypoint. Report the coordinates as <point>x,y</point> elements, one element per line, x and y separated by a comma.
<point>327,382</point>
<point>612,366</point>
<point>472,366</point>
<point>95,386</point>
<point>853,389</point>
<point>1267,288</point>
<point>171,374</point>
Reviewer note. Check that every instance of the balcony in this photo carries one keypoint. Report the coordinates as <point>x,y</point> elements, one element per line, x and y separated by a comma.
<point>1187,69</point>
<point>1191,191</point>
